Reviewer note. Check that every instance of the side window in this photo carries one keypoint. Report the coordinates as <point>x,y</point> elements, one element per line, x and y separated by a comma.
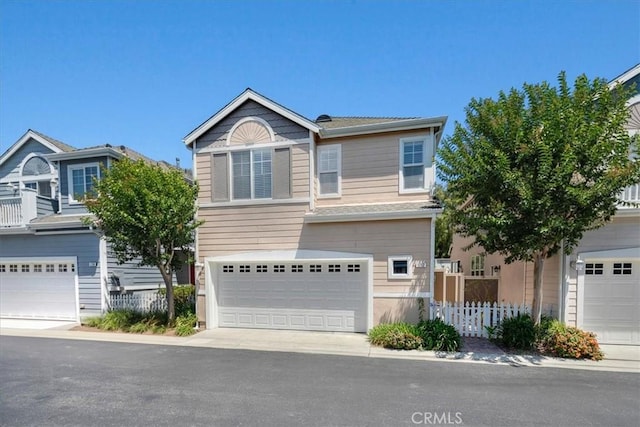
<point>400,267</point>
<point>81,181</point>
<point>477,265</point>
<point>329,170</point>
<point>415,174</point>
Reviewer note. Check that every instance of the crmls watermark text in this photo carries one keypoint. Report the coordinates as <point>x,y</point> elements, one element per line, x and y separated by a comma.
<point>437,418</point>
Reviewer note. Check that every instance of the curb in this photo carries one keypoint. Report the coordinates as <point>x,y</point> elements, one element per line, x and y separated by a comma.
<point>195,341</point>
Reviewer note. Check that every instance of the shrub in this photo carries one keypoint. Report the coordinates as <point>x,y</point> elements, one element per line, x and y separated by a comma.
<point>93,322</point>
<point>517,332</point>
<point>185,325</point>
<point>119,320</point>
<point>183,299</point>
<point>439,336</point>
<point>399,336</point>
<point>565,341</point>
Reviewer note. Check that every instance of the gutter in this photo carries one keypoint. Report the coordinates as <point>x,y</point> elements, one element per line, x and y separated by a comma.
<point>399,125</point>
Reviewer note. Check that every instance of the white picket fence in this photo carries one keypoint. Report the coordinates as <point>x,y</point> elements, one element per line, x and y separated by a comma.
<point>142,301</point>
<point>470,319</point>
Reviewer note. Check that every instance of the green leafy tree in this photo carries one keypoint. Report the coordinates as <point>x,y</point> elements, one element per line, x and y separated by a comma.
<point>533,170</point>
<point>146,212</point>
<point>444,227</point>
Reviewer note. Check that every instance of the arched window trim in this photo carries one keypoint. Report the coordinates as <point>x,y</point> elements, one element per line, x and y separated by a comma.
<point>251,119</point>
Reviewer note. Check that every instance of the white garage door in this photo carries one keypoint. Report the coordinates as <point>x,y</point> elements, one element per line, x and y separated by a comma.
<point>309,295</point>
<point>40,288</point>
<point>612,300</point>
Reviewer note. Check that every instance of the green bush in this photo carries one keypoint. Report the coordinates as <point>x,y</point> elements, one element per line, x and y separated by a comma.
<point>183,298</point>
<point>185,325</point>
<point>116,320</point>
<point>439,336</point>
<point>399,336</point>
<point>517,332</point>
<point>559,340</point>
<point>93,322</point>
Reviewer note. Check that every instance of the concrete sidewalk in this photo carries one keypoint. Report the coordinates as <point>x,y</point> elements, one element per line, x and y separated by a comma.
<point>617,358</point>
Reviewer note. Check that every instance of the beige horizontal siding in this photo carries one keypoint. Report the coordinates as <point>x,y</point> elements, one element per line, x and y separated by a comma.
<point>370,170</point>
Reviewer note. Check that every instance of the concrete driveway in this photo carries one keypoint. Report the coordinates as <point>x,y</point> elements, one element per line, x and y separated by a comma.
<point>36,324</point>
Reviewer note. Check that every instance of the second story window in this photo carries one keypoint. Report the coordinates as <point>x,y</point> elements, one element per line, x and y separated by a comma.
<point>251,174</point>
<point>416,172</point>
<point>412,165</point>
<point>263,173</point>
<point>81,181</point>
<point>329,165</point>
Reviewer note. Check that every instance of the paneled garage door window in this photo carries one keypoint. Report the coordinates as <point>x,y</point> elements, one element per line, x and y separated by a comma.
<point>27,268</point>
<point>622,268</point>
<point>295,268</point>
<point>596,268</point>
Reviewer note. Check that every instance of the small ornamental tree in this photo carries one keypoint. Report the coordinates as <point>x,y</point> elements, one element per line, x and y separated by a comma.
<point>530,172</point>
<point>146,212</point>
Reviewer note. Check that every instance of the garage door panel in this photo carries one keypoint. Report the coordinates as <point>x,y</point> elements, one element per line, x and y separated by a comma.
<point>38,288</point>
<point>612,301</point>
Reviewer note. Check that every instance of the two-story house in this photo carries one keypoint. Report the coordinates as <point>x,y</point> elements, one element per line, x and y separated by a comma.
<point>597,286</point>
<point>313,225</point>
<point>52,266</point>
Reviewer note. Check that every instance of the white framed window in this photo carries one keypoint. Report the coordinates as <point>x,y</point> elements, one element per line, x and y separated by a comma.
<point>477,265</point>
<point>81,179</point>
<point>26,268</point>
<point>622,268</point>
<point>251,172</point>
<point>400,267</point>
<point>330,170</point>
<point>415,161</point>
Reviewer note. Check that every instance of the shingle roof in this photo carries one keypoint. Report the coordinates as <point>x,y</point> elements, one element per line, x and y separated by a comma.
<point>61,145</point>
<point>343,122</point>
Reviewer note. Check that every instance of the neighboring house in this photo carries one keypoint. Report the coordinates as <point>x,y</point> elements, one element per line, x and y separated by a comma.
<point>597,287</point>
<point>313,225</point>
<point>52,266</point>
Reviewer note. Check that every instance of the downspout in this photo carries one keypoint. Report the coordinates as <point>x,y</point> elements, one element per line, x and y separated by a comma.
<point>432,262</point>
<point>59,186</point>
<point>196,252</point>
<point>561,283</point>
<point>312,171</point>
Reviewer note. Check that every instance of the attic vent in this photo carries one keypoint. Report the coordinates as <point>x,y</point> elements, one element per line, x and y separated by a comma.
<point>323,118</point>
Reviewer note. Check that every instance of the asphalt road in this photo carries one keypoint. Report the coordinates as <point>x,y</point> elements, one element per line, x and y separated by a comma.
<point>51,382</point>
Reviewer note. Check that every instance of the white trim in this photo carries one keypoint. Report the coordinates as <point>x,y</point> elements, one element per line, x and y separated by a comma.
<point>86,153</point>
<point>238,147</point>
<point>611,254</point>
<point>427,180</point>
<point>432,259</point>
<point>36,259</point>
<point>392,259</point>
<point>70,169</point>
<point>52,233</point>
<point>312,173</point>
<point>398,125</point>
<point>371,216</point>
<point>250,202</point>
<point>625,77</point>
<point>402,294</point>
<point>249,95</point>
<point>23,140</point>
<point>250,119</point>
<point>338,170</point>
<point>104,273</point>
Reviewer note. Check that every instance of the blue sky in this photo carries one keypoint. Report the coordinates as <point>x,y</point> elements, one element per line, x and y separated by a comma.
<point>146,73</point>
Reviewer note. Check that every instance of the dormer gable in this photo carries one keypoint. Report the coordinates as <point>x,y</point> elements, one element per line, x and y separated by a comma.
<point>252,122</point>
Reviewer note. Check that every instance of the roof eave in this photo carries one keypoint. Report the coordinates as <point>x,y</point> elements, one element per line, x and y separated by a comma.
<point>89,152</point>
<point>400,125</point>
<point>28,135</point>
<point>248,94</point>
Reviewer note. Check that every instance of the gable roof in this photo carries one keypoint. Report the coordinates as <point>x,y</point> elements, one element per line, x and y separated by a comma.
<point>249,94</point>
<point>51,143</point>
<point>331,122</point>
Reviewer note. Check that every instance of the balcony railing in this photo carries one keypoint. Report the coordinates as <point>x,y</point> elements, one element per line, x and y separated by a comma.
<point>20,210</point>
<point>630,194</point>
